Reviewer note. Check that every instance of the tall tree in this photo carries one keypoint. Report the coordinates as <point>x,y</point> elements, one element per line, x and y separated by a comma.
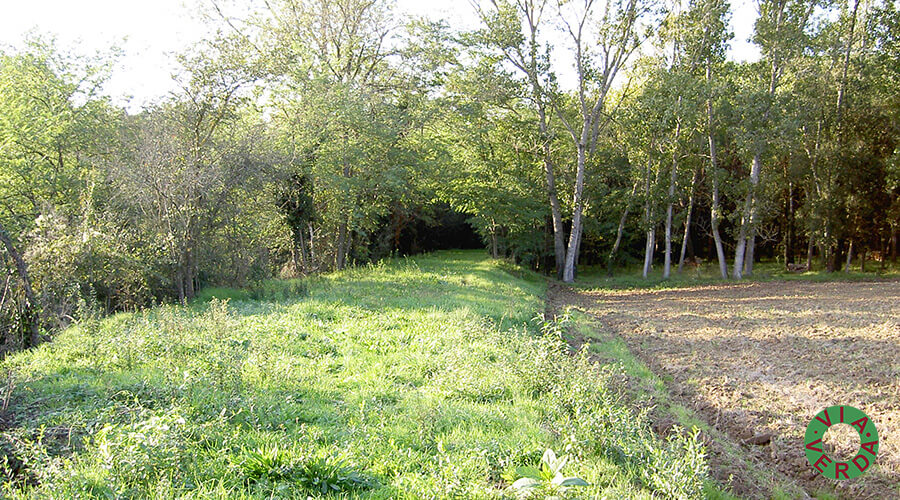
<point>598,60</point>
<point>515,28</point>
<point>781,33</point>
<point>706,43</point>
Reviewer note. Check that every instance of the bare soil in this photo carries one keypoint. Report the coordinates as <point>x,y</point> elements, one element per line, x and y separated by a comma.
<point>759,360</point>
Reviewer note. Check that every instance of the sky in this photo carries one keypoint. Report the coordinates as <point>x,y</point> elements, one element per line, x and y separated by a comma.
<point>149,32</point>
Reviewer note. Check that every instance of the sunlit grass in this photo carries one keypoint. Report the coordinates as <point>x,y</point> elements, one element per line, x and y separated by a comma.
<point>416,378</point>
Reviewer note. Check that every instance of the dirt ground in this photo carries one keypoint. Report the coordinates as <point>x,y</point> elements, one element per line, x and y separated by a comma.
<point>757,361</point>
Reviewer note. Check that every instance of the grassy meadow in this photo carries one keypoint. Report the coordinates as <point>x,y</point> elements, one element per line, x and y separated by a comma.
<point>432,377</point>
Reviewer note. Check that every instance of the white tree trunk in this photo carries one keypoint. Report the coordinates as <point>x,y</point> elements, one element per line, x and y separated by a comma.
<point>621,230</point>
<point>715,209</point>
<point>849,257</point>
<point>578,202</point>
<point>648,251</point>
<point>737,271</point>
<point>754,215</point>
<point>673,180</point>
<point>687,221</point>
<point>559,242</point>
<point>648,221</point>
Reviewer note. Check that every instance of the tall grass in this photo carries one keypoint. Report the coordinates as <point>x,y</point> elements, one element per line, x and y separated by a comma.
<point>417,378</point>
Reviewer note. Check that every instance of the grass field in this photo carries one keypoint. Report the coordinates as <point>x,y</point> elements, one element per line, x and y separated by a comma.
<point>421,378</point>
<point>750,364</point>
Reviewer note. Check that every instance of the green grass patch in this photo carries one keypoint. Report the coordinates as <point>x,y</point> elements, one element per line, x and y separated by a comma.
<point>595,277</point>
<point>415,378</point>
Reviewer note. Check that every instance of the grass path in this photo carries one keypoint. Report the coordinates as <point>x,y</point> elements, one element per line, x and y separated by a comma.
<point>418,378</point>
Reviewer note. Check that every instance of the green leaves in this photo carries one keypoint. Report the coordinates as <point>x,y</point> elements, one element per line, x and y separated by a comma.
<point>548,479</point>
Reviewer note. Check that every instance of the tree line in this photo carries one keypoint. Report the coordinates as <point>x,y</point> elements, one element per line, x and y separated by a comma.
<point>309,135</point>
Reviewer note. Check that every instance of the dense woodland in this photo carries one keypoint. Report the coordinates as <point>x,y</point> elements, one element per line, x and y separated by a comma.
<point>312,135</point>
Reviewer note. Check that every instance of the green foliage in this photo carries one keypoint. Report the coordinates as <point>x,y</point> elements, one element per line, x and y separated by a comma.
<point>278,470</point>
<point>548,481</point>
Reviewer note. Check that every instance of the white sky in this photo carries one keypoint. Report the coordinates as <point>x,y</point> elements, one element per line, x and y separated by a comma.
<point>150,31</point>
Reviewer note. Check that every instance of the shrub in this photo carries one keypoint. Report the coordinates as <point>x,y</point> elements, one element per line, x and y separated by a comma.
<point>267,466</point>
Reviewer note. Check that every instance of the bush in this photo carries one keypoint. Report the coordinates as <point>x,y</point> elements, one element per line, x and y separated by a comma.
<point>83,269</point>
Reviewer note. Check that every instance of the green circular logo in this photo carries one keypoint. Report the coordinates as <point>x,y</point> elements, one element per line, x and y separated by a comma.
<point>868,439</point>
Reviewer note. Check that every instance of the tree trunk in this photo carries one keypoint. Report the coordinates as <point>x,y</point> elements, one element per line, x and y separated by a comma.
<point>312,246</point>
<point>179,282</point>
<point>295,261</point>
<point>737,271</point>
<point>615,247</point>
<point>495,251</point>
<point>189,274</point>
<point>746,245</point>
<point>578,202</point>
<point>341,256</point>
<point>789,233</point>
<point>648,221</point>
<point>715,209</point>
<point>559,241</point>
<point>687,221</point>
<point>648,251</point>
<point>894,244</point>
<point>862,260</point>
<point>750,257</point>
<point>343,230</point>
<point>30,315</point>
<point>304,261</point>
<point>834,257</point>
<point>620,231</point>
<point>673,180</point>
<point>578,252</point>
<point>842,87</point>
<point>809,253</point>
<point>849,257</point>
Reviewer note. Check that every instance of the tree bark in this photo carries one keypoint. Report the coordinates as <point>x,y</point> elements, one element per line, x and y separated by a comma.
<point>578,202</point>
<point>340,256</point>
<point>809,253</point>
<point>754,215</point>
<point>842,88</point>
<point>495,251</point>
<point>30,313</point>
<point>648,251</point>
<point>894,244</point>
<point>834,257</point>
<point>312,247</point>
<point>687,221</point>
<point>737,271</point>
<point>651,224</point>
<point>789,233</point>
<point>715,209</point>
<point>849,257</point>
<point>673,180</point>
<point>620,231</point>
<point>559,242</point>
<point>179,282</point>
<point>304,261</point>
<point>189,290</point>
